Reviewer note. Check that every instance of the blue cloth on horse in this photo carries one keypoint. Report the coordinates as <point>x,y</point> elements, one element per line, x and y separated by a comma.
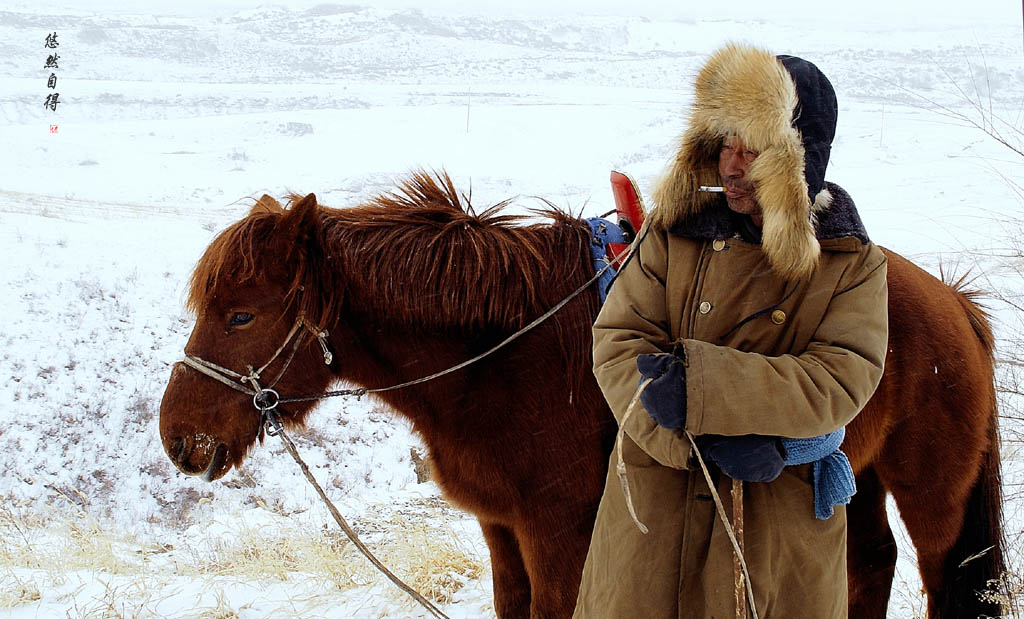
<point>603,232</point>
<point>833,476</point>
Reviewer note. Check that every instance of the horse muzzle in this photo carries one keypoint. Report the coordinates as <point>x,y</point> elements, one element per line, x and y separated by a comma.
<point>200,455</point>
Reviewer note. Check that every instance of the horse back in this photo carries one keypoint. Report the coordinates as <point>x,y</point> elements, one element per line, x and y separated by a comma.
<point>936,393</point>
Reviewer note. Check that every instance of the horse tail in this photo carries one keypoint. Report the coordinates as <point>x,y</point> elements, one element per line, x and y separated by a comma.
<point>976,315</point>
<point>977,556</point>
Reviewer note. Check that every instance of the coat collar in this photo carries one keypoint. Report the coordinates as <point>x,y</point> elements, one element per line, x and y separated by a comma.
<point>834,217</point>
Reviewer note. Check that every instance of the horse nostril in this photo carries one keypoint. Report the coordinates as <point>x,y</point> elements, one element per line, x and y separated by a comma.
<point>178,450</point>
<point>199,454</point>
<point>220,456</point>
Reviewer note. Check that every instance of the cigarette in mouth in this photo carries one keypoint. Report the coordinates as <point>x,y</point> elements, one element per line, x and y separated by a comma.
<point>712,189</point>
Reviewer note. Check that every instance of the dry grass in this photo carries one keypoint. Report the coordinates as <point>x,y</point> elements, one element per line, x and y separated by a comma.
<point>277,555</point>
<point>56,543</point>
<point>1008,591</point>
<point>15,591</point>
<point>40,553</point>
<point>431,560</point>
<point>435,563</point>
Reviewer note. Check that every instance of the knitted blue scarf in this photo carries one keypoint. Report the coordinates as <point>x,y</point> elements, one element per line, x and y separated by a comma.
<point>832,474</point>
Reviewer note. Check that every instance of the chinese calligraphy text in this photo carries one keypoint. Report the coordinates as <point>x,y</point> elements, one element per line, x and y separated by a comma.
<point>53,98</point>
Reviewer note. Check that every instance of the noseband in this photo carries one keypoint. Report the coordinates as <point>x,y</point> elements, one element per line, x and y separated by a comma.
<point>265,399</point>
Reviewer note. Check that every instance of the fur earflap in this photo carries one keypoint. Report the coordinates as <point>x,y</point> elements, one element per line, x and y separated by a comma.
<point>746,92</point>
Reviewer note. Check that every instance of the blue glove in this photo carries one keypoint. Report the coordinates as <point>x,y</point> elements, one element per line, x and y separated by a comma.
<point>665,398</point>
<point>751,457</point>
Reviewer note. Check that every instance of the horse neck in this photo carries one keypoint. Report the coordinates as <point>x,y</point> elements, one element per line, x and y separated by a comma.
<point>385,354</point>
<point>406,325</point>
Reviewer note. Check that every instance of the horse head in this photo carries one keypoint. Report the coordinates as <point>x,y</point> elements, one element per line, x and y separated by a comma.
<point>261,294</point>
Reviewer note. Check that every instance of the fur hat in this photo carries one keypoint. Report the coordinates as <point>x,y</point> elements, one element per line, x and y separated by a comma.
<point>784,108</point>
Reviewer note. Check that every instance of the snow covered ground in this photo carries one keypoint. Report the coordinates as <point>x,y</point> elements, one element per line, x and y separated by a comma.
<point>170,119</point>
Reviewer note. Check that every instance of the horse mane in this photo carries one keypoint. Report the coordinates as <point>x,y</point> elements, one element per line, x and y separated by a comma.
<point>422,254</point>
<point>233,253</point>
<point>459,267</point>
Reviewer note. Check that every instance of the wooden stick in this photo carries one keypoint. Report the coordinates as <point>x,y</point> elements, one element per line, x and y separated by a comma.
<point>737,570</point>
<point>729,531</point>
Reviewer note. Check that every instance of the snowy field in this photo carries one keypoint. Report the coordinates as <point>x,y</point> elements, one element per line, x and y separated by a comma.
<point>169,122</point>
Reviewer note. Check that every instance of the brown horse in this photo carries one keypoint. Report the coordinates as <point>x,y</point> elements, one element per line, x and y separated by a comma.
<point>415,282</point>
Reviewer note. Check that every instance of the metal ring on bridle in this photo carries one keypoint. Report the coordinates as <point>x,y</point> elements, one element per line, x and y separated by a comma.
<point>263,396</point>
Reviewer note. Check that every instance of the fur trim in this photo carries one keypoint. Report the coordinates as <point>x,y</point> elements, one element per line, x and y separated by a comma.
<point>835,217</point>
<point>746,92</point>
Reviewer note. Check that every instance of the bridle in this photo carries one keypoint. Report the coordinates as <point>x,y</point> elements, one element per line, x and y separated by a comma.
<point>265,399</point>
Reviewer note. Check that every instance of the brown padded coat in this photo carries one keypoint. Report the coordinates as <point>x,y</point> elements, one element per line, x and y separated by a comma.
<point>802,369</point>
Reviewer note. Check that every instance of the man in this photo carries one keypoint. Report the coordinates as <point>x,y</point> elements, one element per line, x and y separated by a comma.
<point>759,312</point>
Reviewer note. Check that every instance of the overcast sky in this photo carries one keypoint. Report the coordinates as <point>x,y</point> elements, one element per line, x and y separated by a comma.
<point>829,14</point>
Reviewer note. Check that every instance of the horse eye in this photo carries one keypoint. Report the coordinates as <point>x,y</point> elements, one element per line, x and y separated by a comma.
<point>240,318</point>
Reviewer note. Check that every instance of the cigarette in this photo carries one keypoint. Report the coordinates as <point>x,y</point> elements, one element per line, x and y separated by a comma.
<point>712,189</point>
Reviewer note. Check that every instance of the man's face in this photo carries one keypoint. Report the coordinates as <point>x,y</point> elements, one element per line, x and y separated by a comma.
<point>734,161</point>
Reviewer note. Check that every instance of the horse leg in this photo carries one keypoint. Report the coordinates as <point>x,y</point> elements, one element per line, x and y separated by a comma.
<point>949,521</point>
<point>870,549</point>
<point>933,520</point>
<point>511,583</point>
<point>555,563</point>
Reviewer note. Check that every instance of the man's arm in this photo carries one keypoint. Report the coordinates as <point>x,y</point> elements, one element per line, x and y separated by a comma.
<point>634,321</point>
<point>799,396</point>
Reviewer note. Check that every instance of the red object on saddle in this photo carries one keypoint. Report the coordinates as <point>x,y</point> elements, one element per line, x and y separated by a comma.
<point>629,207</point>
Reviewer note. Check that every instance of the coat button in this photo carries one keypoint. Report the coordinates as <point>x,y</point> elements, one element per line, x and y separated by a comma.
<point>778,317</point>
<point>704,308</point>
<point>718,244</point>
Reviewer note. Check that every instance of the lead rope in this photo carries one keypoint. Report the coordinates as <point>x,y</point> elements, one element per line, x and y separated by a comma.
<point>361,391</point>
<point>620,468</point>
<point>349,531</point>
<point>728,527</point>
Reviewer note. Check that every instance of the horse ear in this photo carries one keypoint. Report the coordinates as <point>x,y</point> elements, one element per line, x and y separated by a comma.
<point>266,204</point>
<point>301,218</point>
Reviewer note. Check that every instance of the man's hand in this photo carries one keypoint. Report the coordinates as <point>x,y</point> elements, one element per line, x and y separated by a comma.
<point>665,398</point>
<point>746,458</point>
